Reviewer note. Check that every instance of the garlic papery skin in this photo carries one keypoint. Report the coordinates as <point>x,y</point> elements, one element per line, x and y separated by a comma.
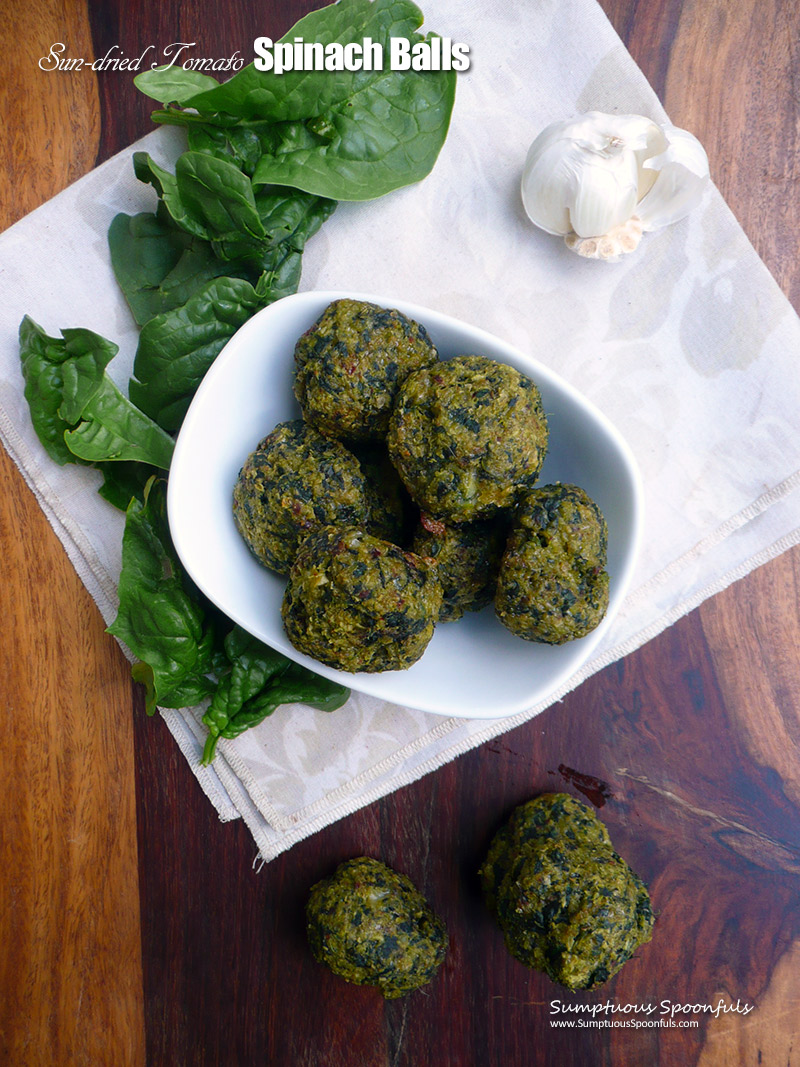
<point>682,174</point>
<point>601,180</point>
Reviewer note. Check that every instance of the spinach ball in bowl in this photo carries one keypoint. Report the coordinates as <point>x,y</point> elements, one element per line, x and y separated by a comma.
<point>295,481</point>
<point>468,558</point>
<point>392,514</point>
<point>467,435</point>
<point>552,585</point>
<point>357,603</point>
<point>350,364</point>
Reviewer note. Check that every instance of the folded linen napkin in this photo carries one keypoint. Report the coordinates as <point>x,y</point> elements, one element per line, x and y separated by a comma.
<point>688,346</point>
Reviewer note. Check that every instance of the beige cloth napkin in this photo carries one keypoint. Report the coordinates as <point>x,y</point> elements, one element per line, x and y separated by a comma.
<point>688,346</point>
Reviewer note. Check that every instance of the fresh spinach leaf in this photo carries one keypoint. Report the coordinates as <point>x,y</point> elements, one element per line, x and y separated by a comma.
<point>249,667</point>
<point>170,200</point>
<point>173,84</point>
<point>159,267</point>
<point>124,481</point>
<point>252,95</point>
<point>112,428</point>
<point>177,348</point>
<point>238,144</point>
<point>345,135</point>
<point>77,411</point>
<point>208,198</point>
<point>207,212</point>
<point>160,617</point>
<point>257,681</point>
<point>220,198</point>
<point>53,368</point>
<point>291,217</point>
<point>298,685</point>
<point>187,652</point>
<point>283,278</point>
<point>144,251</point>
<point>386,136</point>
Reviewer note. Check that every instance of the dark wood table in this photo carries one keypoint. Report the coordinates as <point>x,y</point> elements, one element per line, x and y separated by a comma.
<point>135,928</point>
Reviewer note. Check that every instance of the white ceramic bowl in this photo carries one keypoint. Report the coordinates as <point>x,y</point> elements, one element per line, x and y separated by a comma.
<point>472,668</point>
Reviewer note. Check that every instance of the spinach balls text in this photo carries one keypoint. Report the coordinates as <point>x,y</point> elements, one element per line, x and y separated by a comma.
<point>351,363</point>
<point>467,435</point>
<point>295,481</point>
<point>357,603</point>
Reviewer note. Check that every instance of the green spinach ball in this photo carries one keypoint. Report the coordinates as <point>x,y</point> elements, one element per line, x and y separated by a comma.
<point>467,561</point>
<point>467,435</point>
<point>358,603</point>
<point>566,902</point>
<point>294,482</point>
<point>392,513</point>
<point>351,363</point>
<point>372,926</point>
<point>552,586</point>
<point>552,815</point>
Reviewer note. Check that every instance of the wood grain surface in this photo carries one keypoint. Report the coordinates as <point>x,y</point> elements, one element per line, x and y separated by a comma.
<point>136,928</point>
<point>70,967</point>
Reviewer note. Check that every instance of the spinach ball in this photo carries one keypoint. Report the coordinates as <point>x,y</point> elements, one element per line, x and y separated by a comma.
<point>372,926</point>
<point>552,585</point>
<point>391,511</point>
<point>566,902</point>
<point>468,559</point>
<point>553,815</point>
<point>358,603</point>
<point>295,481</point>
<point>467,435</point>
<point>351,363</point>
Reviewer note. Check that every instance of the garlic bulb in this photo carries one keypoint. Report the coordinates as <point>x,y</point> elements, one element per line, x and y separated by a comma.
<point>600,181</point>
